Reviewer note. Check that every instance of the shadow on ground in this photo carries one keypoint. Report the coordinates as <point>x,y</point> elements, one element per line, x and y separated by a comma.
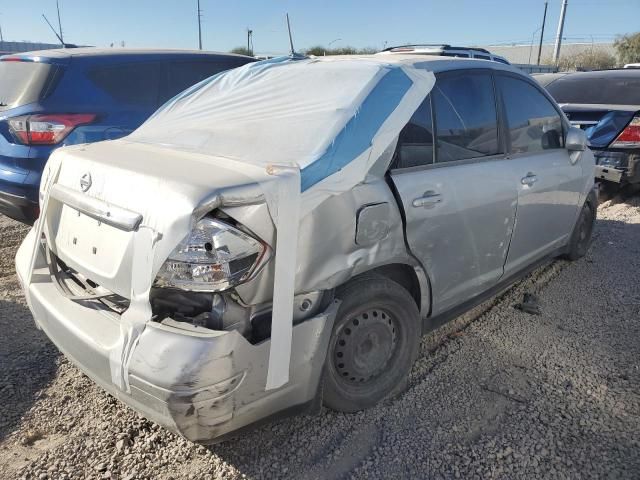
<point>27,364</point>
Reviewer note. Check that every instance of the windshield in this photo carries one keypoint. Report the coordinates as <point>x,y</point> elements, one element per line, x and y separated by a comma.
<point>22,82</point>
<point>605,89</point>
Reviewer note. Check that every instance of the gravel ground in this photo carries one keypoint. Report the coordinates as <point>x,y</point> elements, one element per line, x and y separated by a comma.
<point>497,393</point>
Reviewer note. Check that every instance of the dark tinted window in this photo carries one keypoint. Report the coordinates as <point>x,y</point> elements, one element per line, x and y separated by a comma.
<point>136,84</point>
<point>182,75</point>
<point>465,113</point>
<point>619,88</point>
<point>22,82</point>
<point>415,144</point>
<point>500,60</point>
<point>483,57</point>
<point>534,124</point>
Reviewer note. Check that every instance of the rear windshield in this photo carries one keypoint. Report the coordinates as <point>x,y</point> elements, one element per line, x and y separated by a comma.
<point>22,82</point>
<point>609,89</point>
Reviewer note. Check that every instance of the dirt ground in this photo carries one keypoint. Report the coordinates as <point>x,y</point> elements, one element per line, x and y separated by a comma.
<point>497,393</point>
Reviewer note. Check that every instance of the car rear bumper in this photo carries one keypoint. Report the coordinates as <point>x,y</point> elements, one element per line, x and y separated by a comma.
<point>19,207</point>
<point>202,385</point>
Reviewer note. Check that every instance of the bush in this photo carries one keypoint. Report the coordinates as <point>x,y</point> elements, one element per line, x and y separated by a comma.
<point>593,59</point>
<point>319,50</point>
<point>628,48</point>
<point>242,51</point>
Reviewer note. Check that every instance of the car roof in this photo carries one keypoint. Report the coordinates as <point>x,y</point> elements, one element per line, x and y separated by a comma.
<point>94,52</point>
<point>617,72</point>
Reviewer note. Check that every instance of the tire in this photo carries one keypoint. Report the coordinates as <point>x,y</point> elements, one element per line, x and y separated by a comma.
<point>581,235</point>
<point>373,345</point>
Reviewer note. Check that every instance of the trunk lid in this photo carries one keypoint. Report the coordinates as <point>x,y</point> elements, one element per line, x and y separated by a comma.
<point>602,123</point>
<point>161,185</point>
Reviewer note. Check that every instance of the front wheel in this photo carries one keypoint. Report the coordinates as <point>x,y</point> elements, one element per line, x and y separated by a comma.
<point>581,236</point>
<point>373,345</point>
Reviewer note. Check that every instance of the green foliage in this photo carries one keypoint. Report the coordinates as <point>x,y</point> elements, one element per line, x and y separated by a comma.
<point>319,50</point>
<point>592,59</point>
<point>242,51</point>
<point>628,48</point>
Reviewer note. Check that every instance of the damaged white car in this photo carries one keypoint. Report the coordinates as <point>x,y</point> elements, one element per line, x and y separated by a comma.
<point>282,234</point>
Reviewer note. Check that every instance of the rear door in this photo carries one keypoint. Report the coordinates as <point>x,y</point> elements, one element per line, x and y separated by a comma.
<point>549,186</point>
<point>458,198</point>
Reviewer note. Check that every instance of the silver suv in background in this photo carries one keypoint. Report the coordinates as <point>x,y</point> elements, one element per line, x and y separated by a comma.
<point>232,260</point>
<point>444,50</point>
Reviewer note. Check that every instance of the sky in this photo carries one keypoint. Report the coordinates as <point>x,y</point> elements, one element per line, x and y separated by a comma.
<point>358,23</point>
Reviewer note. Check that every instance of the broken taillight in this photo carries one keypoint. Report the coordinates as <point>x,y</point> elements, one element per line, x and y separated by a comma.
<point>45,129</point>
<point>630,136</point>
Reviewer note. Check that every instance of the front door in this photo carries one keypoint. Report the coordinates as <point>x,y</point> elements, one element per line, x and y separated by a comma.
<point>457,194</point>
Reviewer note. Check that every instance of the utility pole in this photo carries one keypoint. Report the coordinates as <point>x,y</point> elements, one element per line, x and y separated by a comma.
<point>556,49</point>
<point>199,27</point>
<point>60,24</point>
<point>1,37</point>
<point>544,21</point>
<point>249,42</point>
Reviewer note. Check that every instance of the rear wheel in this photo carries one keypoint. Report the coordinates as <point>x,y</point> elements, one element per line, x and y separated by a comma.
<point>373,345</point>
<point>581,236</point>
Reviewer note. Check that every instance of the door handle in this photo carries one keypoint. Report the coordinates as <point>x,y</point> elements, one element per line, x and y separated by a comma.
<point>529,180</point>
<point>429,199</point>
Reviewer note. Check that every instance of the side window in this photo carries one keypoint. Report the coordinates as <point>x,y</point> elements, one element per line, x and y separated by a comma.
<point>182,75</point>
<point>483,57</point>
<point>465,113</point>
<point>135,84</point>
<point>534,124</point>
<point>415,143</point>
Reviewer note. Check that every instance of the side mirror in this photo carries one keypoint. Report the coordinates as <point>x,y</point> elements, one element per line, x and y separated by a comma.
<point>576,140</point>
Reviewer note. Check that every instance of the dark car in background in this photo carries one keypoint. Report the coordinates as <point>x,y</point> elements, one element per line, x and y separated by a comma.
<point>606,104</point>
<point>63,97</point>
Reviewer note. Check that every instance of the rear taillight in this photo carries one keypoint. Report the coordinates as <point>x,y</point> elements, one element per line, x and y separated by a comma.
<point>630,136</point>
<point>47,129</point>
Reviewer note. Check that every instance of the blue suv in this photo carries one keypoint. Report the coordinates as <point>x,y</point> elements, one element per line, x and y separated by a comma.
<point>53,98</point>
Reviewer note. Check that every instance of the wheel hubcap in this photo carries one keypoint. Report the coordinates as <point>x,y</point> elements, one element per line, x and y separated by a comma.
<point>365,345</point>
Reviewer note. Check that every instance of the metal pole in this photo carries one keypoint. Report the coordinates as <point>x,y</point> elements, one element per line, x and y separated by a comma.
<point>1,37</point>
<point>544,21</point>
<point>60,23</point>
<point>199,27</point>
<point>556,50</point>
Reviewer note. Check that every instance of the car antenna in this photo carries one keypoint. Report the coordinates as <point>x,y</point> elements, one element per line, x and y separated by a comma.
<point>292,52</point>
<point>53,29</point>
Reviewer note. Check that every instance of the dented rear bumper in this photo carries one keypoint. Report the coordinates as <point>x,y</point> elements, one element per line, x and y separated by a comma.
<point>201,384</point>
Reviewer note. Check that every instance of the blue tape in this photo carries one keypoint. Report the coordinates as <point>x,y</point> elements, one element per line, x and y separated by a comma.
<point>357,134</point>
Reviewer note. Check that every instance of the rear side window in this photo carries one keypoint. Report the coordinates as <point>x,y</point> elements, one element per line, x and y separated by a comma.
<point>182,75</point>
<point>617,89</point>
<point>465,113</point>
<point>483,57</point>
<point>534,124</point>
<point>415,143</point>
<point>135,84</point>
<point>23,82</point>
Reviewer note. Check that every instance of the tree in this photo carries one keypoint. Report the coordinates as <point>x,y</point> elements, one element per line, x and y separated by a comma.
<point>242,51</point>
<point>628,48</point>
